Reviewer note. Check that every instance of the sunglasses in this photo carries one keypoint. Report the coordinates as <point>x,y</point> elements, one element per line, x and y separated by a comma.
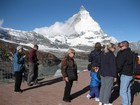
<point>73,53</point>
<point>120,46</point>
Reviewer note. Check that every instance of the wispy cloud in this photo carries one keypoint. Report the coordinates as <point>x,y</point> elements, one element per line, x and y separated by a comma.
<point>1,22</point>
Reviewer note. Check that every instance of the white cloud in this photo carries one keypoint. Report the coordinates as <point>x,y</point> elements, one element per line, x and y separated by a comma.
<point>1,22</point>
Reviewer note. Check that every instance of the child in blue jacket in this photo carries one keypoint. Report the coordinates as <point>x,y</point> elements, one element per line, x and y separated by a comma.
<point>94,84</point>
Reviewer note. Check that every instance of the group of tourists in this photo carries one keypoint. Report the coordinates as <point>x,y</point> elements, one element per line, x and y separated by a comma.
<point>104,68</point>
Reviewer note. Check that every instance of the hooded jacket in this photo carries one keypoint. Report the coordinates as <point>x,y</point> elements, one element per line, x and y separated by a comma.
<point>94,79</point>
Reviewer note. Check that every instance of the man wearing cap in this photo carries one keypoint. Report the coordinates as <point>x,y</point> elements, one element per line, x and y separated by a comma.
<point>33,66</point>
<point>18,63</point>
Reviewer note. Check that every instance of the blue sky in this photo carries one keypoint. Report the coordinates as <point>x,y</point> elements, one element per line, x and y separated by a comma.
<point>118,18</point>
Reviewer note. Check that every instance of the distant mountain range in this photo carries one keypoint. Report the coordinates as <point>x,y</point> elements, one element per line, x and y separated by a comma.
<point>79,31</point>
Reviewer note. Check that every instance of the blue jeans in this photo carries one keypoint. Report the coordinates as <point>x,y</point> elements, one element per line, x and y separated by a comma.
<point>125,91</point>
<point>94,91</point>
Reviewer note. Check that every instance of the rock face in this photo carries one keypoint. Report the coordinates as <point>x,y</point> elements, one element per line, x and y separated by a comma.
<point>48,59</point>
<point>135,46</point>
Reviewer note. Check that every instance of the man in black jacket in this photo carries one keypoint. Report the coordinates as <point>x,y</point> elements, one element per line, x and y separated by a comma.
<point>125,68</point>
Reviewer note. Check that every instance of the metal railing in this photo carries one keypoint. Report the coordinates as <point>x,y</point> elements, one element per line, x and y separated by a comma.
<point>6,74</point>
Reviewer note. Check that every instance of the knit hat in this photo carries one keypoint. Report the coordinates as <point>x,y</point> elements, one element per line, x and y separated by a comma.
<point>19,47</point>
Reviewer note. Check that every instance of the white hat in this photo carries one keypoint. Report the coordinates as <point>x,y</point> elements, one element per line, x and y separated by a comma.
<point>19,47</point>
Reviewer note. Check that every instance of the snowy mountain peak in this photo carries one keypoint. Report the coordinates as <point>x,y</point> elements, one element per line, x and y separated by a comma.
<point>83,22</point>
<point>78,30</point>
<point>82,8</point>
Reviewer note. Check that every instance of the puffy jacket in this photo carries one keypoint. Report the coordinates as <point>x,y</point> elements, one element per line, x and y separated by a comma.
<point>94,79</point>
<point>69,68</point>
<point>125,62</point>
<point>18,62</point>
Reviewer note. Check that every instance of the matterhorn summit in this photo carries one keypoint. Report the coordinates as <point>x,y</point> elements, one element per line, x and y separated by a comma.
<point>78,30</point>
<point>83,22</point>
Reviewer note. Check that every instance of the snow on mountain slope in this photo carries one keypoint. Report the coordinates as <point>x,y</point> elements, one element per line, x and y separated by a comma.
<point>80,29</point>
<point>26,37</point>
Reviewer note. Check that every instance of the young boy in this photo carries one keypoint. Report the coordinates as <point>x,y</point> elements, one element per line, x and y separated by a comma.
<point>94,84</point>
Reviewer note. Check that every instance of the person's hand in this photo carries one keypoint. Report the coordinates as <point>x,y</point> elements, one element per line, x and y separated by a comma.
<point>119,74</point>
<point>115,79</point>
<point>24,56</point>
<point>66,79</point>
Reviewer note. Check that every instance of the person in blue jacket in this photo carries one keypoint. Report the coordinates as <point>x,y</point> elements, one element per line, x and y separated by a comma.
<point>18,64</point>
<point>94,84</point>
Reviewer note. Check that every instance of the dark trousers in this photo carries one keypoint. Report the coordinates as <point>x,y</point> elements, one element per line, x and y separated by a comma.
<point>94,91</point>
<point>35,74</point>
<point>67,90</point>
<point>18,80</point>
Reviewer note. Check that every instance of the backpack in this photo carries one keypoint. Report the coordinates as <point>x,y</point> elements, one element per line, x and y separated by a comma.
<point>136,64</point>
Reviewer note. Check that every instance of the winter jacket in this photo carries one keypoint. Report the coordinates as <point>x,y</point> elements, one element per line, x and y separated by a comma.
<point>94,58</point>
<point>108,64</point>
<point>18,62</point>
<point>94,79</point>
<point>69,68</point>
<point>125,62</point>
<point>32,56</point>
